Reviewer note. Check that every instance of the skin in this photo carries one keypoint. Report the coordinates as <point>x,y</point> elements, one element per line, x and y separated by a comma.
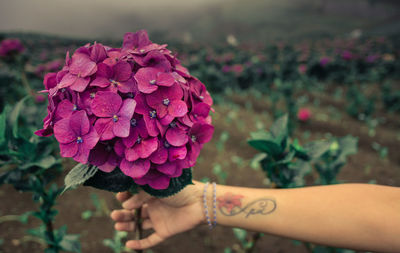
<point>355,216</point>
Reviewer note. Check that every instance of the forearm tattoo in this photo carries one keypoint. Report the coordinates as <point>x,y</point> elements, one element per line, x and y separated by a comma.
<point>231,205</point>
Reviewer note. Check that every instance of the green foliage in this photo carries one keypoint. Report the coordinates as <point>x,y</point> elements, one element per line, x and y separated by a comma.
<point>286,162</point>
<point>330,163</point>
<point>78,175</point>
<point>116,244</point>
<point>220,173</point>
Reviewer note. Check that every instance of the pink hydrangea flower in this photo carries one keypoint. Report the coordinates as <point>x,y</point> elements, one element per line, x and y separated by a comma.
<point>134,107</point>
<point>9,47</point>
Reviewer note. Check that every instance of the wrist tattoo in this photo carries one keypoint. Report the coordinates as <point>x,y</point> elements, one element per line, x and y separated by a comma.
<point>231,205</point>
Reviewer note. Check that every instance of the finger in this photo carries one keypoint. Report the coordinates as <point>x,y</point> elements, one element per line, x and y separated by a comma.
<point>136,200</point>
<point>122,215</point>
<point>145,243</point>
<point>125,226</point>
<point>147,224</point>
<point>144,213</point>
<point>122,196</point>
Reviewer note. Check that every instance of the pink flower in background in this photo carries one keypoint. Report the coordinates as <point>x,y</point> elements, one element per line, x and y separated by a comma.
<point>302,69</point>
<point>237,69</point>
<point>347,55</point>
<point>9,47</point>
<point>324,61</point>
<point>133,107</point>
<point>304,114</point>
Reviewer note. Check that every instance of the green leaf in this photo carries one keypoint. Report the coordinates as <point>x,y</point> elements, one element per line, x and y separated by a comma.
<point>316,149</point>
<point>79,174</point>
<point>240,234</point>
<point>261,135</point>
<point>269,147</point>
<point>175,185</point>
<point>86,215</point>
<point>114,181</point>
<point>71,243</point>
<point>44,163</point>
<point>3,118</point>
<point>279,128</point>
<point>14,116</point>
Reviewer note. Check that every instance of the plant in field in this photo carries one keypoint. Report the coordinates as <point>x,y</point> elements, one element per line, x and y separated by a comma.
<point>360,106</point>
<point>391,97</point>
<point>330,163</point>
<point>285,161</point>
<point>30,171</point>
<point>116,243</point>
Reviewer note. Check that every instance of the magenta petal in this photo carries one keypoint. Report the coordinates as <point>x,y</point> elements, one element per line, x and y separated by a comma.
<point>146,147</point>
<point>63,132</point>
<point>107,167</point>
<point>127,86</point>
<point>103,70</point>
<point>127,108</point>
<point>177,153</point>
<point>91,139</point>
<point>176,137</point>
<point>80,84</point>
<point>99,155</point>
<point>69,149</point>
<point>160,156</point>
<point>79,123</point>
<point>151,125</point>
<point>82,65</point>
<point>131,154</point>
<point>177,108</point>
<point>135,169</point>
<point>82,155</point>
<point>119,148</point>
<point>160,183</point>
<point>167,168</point>
<point>121,128</point>
<point>166,120</point>
<point>104,128</point>
<point>68,80</point>
<point>132,138</point>
<point>64,109</point>
<point>106,104</point>
<point>122,71</point>
<point>203,132</point>
<point>100,81</point>
<point>165,79</point>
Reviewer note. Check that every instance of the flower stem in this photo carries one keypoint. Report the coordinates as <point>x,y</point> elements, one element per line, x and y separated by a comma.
<point>138,226</point>
<point>254,239</point>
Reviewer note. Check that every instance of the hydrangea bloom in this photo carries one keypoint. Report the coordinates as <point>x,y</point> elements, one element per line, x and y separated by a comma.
<point>134,107</point>
<point>8,47</point>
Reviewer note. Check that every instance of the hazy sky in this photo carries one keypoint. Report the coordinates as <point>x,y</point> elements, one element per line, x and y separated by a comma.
<point>110,18</point>
<point>201,20</point>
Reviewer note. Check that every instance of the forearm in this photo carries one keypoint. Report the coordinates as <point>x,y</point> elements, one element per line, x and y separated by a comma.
<point>354,216</point>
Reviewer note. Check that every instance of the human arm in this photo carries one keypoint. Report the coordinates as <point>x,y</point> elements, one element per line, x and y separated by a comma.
<point>357,216</point>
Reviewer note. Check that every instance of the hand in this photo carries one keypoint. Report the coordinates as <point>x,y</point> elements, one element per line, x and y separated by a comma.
<point>166,216</point>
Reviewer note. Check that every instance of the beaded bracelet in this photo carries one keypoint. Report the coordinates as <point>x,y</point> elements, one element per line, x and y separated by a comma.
<point>211,225</point>
<point>215,203</point>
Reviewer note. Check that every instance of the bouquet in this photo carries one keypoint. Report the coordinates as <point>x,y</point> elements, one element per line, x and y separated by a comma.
<point>131,116</point>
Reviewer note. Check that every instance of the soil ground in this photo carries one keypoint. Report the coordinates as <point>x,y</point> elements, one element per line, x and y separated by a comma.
<point>238,116</point>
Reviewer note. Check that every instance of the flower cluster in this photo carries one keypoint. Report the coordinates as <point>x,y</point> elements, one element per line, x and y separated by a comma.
<point>9,47</point>
<point>133,107</point>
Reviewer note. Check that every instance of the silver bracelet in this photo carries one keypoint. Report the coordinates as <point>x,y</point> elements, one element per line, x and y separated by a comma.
<point>205,206</point>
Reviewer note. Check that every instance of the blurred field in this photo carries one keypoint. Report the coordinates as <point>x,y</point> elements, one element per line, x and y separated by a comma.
<point>259,59</point>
